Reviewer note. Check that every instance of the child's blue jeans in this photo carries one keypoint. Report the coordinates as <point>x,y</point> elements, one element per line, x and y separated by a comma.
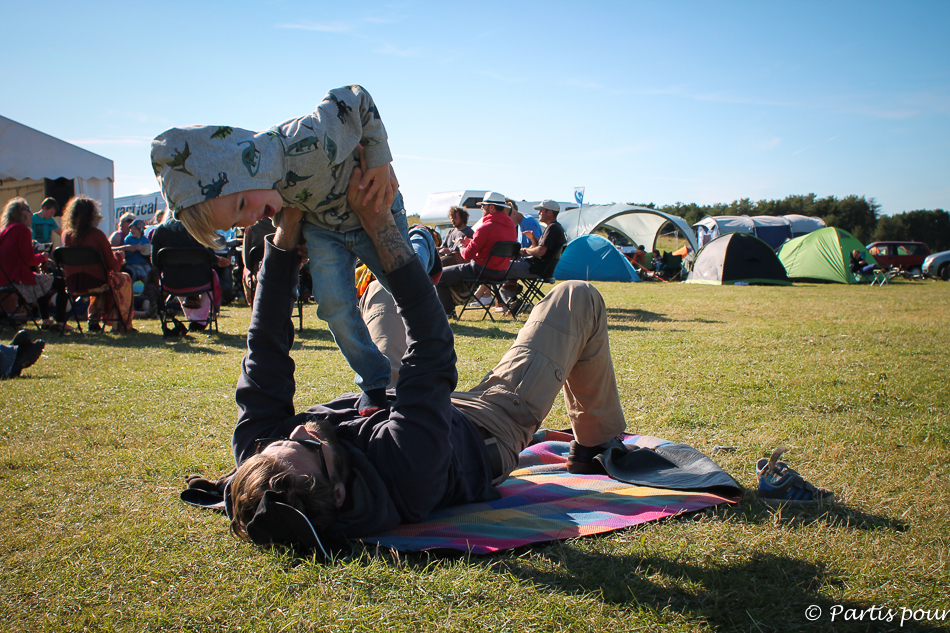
<point>332,264</point>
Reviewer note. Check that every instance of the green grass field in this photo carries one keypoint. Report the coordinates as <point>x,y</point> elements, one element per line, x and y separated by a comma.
<point>96,439</point>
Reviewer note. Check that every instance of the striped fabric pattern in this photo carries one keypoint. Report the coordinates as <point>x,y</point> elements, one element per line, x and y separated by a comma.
<point>541,501</point>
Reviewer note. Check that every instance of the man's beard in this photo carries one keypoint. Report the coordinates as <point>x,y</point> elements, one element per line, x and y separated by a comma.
<point>341,459</point>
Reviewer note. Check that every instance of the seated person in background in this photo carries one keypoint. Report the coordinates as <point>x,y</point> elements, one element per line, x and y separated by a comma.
<point>537,257</point>
<point>639,257</point>
<point>121,229</point>
<point>449,251</point>
<point>859,265</point>
<point>330,473</point>
<point>18,260</point>
<point>137,251</point>
<point>526,226</point>
<point>495,226</point>
<point>44,224</point>
<point>154,223</point>
<point>146,303</point>
<point>254,237</point>
<point>224,268</point>
<point>658,264</point>
<point>80,228</point>
<point>196,307</point>
<point>525,223</point>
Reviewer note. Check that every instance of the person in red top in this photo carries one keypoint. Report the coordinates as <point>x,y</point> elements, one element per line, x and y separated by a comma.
<point>495,226</point>
<point>80,222</point>
<point>17,260</point>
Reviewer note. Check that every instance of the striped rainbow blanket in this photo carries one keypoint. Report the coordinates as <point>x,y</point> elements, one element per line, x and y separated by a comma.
<point>541,501</point>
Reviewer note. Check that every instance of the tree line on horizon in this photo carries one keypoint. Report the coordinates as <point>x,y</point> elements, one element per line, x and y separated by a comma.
<point>856,214</point>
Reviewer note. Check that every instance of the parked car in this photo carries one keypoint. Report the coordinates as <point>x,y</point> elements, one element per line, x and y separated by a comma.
<point>937,265</point>
<point>908,256</point>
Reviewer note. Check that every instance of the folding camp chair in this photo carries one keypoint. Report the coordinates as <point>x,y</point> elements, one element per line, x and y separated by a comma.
<point>91,281</point>
<point>883,276</point>
<point>493,282</point>
<point>533,291</point>
<point>186,271</point>
<point>10,296</point>
<point>672,265</point>
<point>252,262</point>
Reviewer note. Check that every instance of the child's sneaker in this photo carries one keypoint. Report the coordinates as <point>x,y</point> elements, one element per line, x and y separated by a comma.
<point>780,484</point>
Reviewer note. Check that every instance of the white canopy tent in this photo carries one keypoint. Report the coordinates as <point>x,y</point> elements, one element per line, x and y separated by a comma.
<point>28,157</point>
<point>639,224</point>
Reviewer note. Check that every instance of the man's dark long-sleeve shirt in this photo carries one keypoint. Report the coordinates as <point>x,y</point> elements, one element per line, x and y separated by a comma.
<point>420,455</point>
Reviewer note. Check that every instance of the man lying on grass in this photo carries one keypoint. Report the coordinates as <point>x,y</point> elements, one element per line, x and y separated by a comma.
<point>327,474</point>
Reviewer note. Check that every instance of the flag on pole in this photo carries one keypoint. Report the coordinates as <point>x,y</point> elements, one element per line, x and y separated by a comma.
<point>579,195</point>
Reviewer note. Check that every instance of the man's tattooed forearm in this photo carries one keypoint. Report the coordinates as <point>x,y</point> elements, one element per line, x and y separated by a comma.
<point>392,247</point>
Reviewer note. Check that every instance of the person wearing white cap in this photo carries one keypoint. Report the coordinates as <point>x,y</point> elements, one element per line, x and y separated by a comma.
<point>538,256</point>
<point>495,226</point>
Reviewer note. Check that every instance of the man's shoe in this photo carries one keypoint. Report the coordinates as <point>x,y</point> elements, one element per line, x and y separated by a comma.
<point>93,326</point>
<point>21,337</point>
<point>372,401</point>
<point>780,484</point>
<point>515,305</point>
<point>580,459</point>
<point>196,326</point>
<point>26,355</point>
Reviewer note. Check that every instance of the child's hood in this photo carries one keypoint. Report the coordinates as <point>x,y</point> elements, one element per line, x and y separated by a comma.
<point>199,163</point>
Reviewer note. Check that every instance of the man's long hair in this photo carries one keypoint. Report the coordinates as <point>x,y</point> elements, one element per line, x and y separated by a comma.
<point>312,495</point>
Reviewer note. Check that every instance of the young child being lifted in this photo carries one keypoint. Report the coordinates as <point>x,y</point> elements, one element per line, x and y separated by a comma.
<point>218,177</point>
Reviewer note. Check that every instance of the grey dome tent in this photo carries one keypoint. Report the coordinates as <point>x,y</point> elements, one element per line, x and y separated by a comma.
<point>774,230</point>
<point>737,258</point>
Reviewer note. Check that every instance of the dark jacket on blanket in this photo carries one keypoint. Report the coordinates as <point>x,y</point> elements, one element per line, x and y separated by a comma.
<point>421,455</point>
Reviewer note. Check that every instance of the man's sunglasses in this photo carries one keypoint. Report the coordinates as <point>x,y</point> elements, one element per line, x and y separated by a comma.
<point>316,446</point>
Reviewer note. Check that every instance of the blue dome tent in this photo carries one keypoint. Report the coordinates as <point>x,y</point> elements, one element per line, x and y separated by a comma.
<point>594,258</point>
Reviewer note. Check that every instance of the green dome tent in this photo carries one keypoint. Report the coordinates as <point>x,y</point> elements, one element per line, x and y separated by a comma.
<point>824,255</point>
<point>737,258</point>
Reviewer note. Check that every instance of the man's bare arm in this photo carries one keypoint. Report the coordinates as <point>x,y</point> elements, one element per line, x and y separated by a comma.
<point>391,246</point>
<point>288,229</point>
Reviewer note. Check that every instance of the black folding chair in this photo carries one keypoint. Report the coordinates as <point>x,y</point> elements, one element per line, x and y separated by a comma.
<point>672,266</point>
<point>533,287</point>
<point>492,281</point>
<point>91,281</point>
<point>8,292</point>
<point>253,263</point>
<point>186,271</point>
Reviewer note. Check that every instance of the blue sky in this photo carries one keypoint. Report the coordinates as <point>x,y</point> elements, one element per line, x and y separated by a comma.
<point>636,101</point>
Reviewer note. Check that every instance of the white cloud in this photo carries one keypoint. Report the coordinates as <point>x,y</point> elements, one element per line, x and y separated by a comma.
<point>499,77</point>
<point>389,49</point>
<point>334,27</point>
<point>584,83</point>
<point>454,162</point>
<point>769,143</point>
